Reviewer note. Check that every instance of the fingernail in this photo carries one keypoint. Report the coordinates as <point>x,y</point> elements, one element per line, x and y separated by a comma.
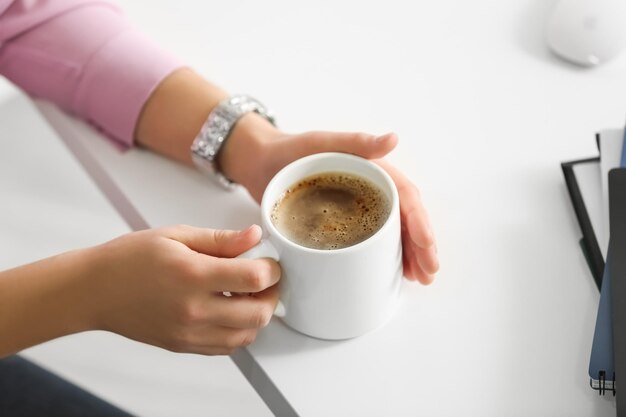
<point>430,234</point>
<point>248,229</point>
<point>384,137</point>
<point>426,241</point>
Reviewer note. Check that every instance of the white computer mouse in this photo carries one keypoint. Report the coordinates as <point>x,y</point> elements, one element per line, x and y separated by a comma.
<point>587,32</point>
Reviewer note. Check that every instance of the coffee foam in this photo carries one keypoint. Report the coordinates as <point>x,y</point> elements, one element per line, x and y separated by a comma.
<point>329,211</point>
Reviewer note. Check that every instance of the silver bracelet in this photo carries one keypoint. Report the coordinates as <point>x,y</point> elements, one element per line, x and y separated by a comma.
<point>216,130</point>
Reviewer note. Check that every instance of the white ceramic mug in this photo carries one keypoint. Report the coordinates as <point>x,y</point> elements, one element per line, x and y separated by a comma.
<point>341,293</point>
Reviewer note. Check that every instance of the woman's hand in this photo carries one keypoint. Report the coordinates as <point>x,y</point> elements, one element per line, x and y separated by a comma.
<point>256,151</point>
<point>165,287</point>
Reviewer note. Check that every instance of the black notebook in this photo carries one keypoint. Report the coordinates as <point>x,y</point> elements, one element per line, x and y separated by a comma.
<point>617,269</point>
<point>583,181</point>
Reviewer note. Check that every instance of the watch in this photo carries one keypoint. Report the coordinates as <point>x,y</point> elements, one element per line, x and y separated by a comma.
<point>216,130</point>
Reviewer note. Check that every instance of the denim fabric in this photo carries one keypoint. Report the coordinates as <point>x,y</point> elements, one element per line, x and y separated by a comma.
<point>29,390</point>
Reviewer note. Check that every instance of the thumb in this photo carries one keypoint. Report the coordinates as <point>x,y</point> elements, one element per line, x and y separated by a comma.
<point>360,144</point>
<point>218,243</point>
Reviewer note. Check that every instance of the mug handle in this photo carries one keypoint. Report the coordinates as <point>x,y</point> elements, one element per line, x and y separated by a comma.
<point>264,249</point>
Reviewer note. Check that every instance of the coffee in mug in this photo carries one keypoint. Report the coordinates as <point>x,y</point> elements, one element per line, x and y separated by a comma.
<point>330,210</point>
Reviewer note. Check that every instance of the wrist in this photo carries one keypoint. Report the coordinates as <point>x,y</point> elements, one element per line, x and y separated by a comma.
<point>242,157</point>
<point>77,292</point>
<point>99,286</point>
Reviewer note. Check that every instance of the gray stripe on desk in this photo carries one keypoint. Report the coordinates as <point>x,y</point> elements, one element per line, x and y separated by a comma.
<point>262,384</point>
<point>105,183</point>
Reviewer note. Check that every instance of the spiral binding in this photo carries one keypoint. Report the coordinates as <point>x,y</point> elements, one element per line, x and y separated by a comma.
<point>604,385</point>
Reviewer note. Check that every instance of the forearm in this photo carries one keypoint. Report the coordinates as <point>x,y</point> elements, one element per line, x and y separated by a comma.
<point>44,300</point>
<point>174,113</point>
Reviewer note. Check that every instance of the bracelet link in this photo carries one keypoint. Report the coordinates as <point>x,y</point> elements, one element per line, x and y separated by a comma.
<point>216,130</point>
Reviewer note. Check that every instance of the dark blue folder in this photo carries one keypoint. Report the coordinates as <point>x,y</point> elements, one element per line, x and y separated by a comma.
<point>609,338</point>
<point>601,367</point>
<point>608,353</point>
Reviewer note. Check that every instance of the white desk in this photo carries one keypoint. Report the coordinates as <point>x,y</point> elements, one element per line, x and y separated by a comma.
<point>485,115</point>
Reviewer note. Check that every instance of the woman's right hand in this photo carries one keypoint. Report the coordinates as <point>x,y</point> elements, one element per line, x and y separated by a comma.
<point>166,287</point>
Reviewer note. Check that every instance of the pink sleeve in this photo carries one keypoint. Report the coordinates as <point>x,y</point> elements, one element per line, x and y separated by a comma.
<point>86,58</point>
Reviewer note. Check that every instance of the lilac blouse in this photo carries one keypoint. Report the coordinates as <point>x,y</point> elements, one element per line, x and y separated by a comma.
<point>84,56</point>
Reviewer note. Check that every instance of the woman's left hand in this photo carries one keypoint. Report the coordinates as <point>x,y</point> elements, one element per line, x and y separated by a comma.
<point>256,151</point>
